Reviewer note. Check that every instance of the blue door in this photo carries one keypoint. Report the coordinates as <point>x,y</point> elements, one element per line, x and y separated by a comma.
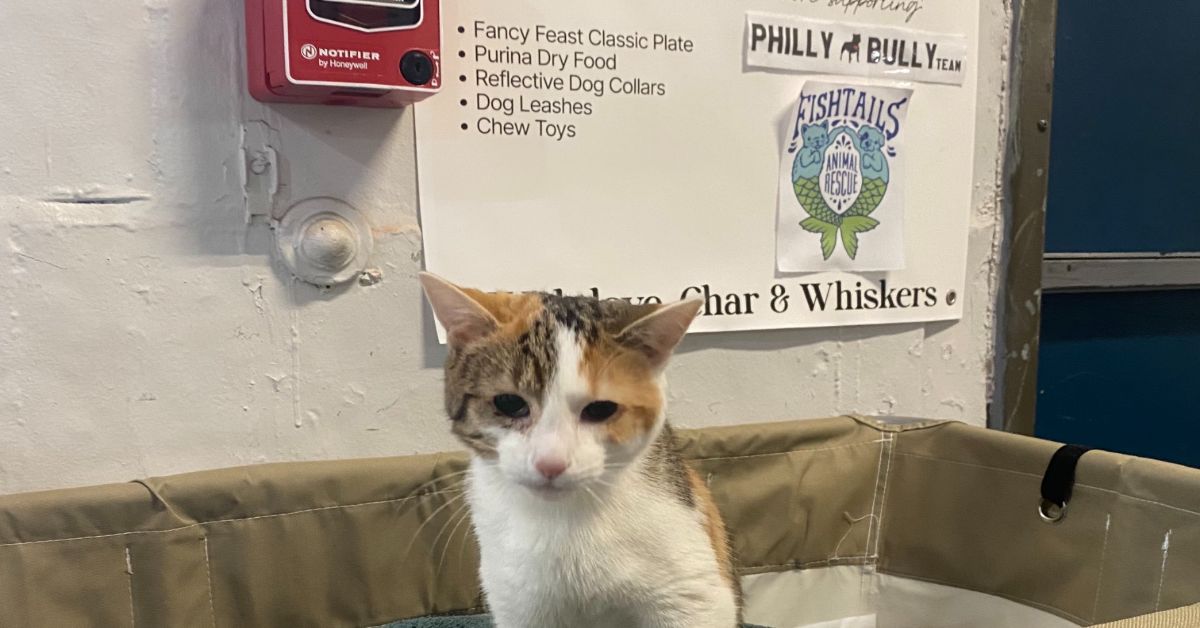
<point>1119,362</point>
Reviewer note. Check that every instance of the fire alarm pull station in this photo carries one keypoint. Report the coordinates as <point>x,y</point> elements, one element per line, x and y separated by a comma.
<point>372,53</point>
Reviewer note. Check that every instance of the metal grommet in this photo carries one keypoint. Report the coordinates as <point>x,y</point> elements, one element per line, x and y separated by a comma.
<point>1051,512</point>
<point>1058,481</point>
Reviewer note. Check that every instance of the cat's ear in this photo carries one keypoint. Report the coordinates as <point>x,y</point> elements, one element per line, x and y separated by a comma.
<point>464,318</point>
<point>825,124</point>
<point>657,333</point>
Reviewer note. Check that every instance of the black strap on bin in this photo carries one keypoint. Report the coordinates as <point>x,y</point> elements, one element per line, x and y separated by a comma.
<point>1058,481</point>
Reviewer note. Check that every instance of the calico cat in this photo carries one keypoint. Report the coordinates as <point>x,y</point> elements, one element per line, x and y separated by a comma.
<point>584,513</point>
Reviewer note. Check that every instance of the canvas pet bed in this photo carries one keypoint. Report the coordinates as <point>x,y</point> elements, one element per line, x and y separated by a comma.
<point>842,522</point>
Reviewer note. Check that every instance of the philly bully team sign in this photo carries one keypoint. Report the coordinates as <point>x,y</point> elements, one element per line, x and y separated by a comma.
<point>791,42</point>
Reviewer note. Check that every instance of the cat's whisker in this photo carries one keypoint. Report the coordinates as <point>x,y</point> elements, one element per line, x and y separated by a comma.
<point>440,478</point>
<point>449,520</point>
<point>600,480</point>
<point>467,538</point>
<point>449,538</point>
<point>454,518</point>
<point>431,517</point>
<point>594,496</point>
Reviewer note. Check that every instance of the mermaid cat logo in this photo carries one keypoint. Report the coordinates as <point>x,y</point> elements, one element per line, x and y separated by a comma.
<point>840,173</point>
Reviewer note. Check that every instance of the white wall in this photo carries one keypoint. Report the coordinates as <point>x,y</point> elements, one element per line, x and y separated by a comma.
<point>145,330</point>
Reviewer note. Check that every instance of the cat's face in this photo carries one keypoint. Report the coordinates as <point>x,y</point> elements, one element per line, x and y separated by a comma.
<point>815,135</point>
<point>557,392</point>
<point>871,138</point>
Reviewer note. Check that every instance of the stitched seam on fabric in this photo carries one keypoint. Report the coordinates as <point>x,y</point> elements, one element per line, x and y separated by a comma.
<point>232,520</point>
<point>1162,574</point>
<point>410,497</point>
<point>129,572</point>
<point>212,606</point>
<point>887,474</point>
<point>918,424</point>
<point>1138,499</point>
<point>1100,578</point>
<point>852,521</point>
<point>969,464</point>
<point>390,501</point>
<point>873,523</point>
<point>814,563</point>
<point>335,507</point>
<point>1034,475</point>
<point>790,451</point>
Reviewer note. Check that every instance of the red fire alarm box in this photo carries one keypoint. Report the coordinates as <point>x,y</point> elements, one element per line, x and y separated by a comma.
<point>374,53</point>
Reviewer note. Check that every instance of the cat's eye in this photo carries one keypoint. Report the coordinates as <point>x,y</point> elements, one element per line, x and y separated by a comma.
<point>511,406</point>
<point>597,411</point>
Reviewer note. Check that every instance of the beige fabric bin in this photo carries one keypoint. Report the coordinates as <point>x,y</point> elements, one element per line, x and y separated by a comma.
<point>897,523</point>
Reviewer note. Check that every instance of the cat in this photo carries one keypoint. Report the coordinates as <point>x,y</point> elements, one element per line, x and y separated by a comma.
<point>584,513</point>
<point>808,161</point>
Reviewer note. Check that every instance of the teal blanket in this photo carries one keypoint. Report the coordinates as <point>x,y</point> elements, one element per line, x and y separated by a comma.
<point>458,621</point>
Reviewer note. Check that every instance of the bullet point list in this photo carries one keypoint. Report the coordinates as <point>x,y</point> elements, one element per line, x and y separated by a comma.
<point>545,82</point>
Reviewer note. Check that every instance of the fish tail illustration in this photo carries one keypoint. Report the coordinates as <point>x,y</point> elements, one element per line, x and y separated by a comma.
<point>828,231</point>
<point>852,226</point>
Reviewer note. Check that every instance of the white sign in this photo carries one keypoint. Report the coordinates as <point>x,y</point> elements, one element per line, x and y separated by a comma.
<point>801,44</point>
<point>623,149</point>
<point>841,179</point>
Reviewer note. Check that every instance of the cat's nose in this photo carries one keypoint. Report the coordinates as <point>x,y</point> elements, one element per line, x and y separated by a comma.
<point>550,467</point>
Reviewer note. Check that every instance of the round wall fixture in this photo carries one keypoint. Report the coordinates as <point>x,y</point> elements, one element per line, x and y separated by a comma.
<point>324,241</point>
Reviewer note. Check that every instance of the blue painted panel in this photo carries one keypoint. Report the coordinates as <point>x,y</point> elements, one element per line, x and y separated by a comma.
<point>1121,371</point>
<point>1125,141</point>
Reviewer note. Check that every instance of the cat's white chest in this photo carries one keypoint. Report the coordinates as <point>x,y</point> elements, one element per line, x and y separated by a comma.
<point>547,564</point>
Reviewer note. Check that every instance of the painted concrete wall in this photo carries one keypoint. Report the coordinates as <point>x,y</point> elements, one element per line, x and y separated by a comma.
<point>145,329</point>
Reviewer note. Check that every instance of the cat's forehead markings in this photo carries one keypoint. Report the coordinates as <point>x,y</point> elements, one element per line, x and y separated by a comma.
<point>526,354</point>
<point>569,382</point>
<point>581,316</point>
